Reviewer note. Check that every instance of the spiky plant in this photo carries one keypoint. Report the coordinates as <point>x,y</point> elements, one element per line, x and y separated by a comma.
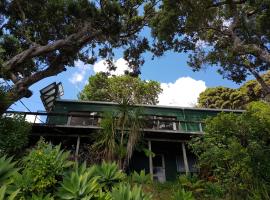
<point>141,178</point>
<point>109,174</point>
<point>79,185</point>
<point>7,169</point>
<point>5,196</point>
<point>183,195</point>
<point>125,192</point>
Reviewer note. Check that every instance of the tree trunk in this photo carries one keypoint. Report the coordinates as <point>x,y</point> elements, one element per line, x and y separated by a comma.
<point>265,87</point>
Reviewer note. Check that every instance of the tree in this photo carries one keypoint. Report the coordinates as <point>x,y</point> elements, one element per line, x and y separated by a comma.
<point>42,38</point>
<point>125,90</point>
<point>234,151</point>
<point>221,97</point>
<point>121,129</point>
<point>231,34</point>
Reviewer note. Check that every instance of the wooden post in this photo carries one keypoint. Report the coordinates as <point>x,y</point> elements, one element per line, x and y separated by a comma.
<point>201,129</point>
<point>185,158</point>
<point>150,159</point>
<point>77,148</point>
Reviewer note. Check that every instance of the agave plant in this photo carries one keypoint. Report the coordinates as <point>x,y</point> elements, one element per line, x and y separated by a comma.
<point>79,184</point>
<point>7,170</point>
<point>109,174</point>
<point>183,195</point>
<point>125,192</point>
<point>141,178</point>
<point>5,196</point>
<point>41,197</point>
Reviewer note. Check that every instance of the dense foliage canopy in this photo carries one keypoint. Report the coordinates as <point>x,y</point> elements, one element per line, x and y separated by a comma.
<point>234,151</point>
<point>231,34</point>
<point>222,97</point>
<point>125,89</point>
<point>41,38</point>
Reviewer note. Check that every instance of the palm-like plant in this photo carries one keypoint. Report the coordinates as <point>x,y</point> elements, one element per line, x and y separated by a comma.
<point>183,195</point>
<point>5,196</point>
<point>109,174</point>
<point>141,178</point>
<point>125,192</point>
<point>79,185</point>
<point>7,169</point>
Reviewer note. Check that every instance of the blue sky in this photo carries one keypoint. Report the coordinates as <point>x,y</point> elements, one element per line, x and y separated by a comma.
<point>182,86</point>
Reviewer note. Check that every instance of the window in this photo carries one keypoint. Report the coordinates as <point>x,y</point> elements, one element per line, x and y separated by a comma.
<point>161,122</point>
<point>84,119</point>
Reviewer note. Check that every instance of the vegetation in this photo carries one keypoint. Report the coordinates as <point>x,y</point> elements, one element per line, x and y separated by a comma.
<point>123,89</point>
<point>43,38</point>
<point>234,152</point>
<point>222,97</point>
<point>14,132</point>
<point>121,132</point>
<point>231,35</point>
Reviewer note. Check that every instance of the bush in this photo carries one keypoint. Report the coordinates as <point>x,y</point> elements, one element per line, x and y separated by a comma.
<point>80,184</point>
<point>125,192</point>
<point>109,174</point>
<point>7,170</point>
<point>183,195</point>
<point>43,167</point>
<point>141,178</point>
<point>235,150</point>
<point>14,132</point>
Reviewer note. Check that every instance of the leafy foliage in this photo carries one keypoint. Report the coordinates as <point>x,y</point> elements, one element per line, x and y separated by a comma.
<point>235,150</point>
<point>230,35</point>
<point>43,168</point>
<point>5,196</point>
<point>183,195</point>
<point>14,132</point>
<point>7,170</point>
<point>123,89</point>
<point>141,178</point>
<point>109,174</point>
<point>221,97</point>
<point>79,184</point>
<point>125,192</point>
<point>34,45</point>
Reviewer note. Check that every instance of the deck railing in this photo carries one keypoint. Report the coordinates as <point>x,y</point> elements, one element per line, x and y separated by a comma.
<point>64,119</point>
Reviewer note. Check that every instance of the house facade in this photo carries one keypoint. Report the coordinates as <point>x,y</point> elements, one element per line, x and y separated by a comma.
<point>166,130</point>
<point>165,133</point>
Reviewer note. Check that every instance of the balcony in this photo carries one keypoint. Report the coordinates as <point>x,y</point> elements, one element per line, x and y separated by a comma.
<point>91,120</point>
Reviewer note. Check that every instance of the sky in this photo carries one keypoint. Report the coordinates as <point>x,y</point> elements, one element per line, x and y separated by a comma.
<point>181,86</point>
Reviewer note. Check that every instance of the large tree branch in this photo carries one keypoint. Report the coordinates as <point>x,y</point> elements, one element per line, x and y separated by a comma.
<point>37,50</point>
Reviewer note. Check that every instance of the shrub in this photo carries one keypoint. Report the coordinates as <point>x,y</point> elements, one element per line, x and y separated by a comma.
<point>109,174</point>
<point>43,168</point>
<point>5,196</point>
<point>7,170</point>
<point>125,192</point>
<point>183,195</point>
<point>141,178</point>
<point>14,132</point>
<point>80,184</point>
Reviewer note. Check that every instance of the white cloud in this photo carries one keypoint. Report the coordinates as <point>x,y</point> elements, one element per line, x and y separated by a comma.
<point>121,67</point>
<point>79,75</point>
<point>183,92</point>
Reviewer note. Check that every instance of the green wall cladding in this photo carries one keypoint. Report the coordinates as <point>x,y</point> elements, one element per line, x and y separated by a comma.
<point>189,117</point>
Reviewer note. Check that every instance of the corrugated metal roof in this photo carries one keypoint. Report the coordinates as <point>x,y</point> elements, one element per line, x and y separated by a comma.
<point>144,105</point>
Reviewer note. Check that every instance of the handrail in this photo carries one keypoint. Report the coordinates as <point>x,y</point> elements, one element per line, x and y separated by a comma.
<point>155,123</point>
<point>95,116</point>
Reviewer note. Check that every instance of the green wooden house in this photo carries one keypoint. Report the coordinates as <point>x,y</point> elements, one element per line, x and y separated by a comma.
<point>166,131</point>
